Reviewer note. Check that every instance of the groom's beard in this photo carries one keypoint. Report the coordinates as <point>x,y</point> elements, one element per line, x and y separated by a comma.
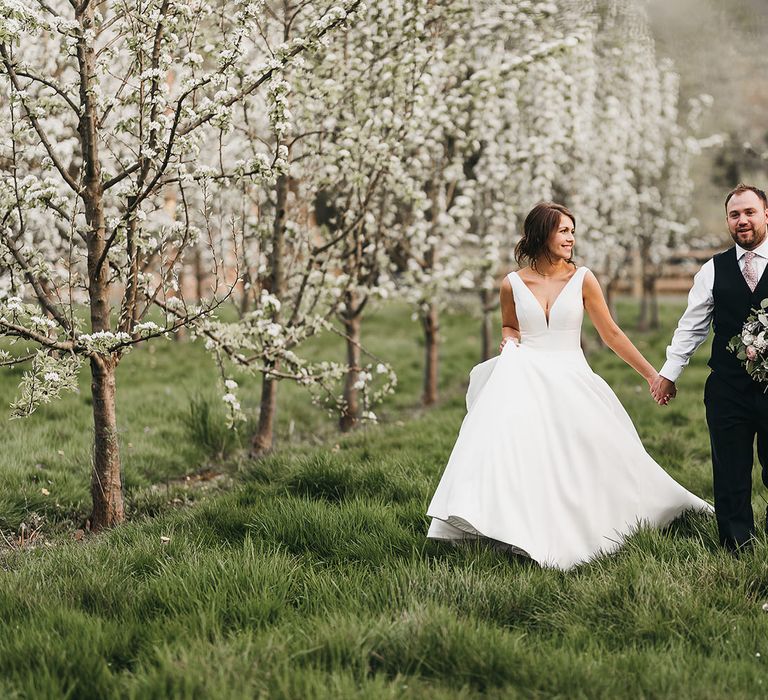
<point>749,238</point>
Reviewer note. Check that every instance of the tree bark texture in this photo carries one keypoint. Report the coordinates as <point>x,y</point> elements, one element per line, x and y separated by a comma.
<point>649,306</point>
<point>431,330</point>
<point>350,415</point>
<point>486,329</point>
<point>263,440</point>
<point>106,481</point>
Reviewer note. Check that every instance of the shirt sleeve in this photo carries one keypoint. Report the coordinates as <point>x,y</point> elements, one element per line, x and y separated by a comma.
<point>693,327</point>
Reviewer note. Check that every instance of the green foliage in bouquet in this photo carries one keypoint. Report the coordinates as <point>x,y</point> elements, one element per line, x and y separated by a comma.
<point>751,345</point>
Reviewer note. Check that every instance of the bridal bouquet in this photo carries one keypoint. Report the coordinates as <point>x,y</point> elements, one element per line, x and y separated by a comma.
<point>751,345</point>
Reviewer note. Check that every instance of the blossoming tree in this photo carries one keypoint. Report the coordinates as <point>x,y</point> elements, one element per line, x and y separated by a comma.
<point>469,155</point>
<point>313,252</point>
<point>106,110</point>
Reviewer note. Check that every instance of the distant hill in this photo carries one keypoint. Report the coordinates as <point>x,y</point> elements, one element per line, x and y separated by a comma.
<point>719,47</point>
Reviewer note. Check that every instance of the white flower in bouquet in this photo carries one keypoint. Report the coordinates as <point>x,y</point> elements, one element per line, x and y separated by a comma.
<point>751,345</point>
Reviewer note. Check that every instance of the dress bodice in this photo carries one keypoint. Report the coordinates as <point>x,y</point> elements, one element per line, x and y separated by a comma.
<point>563,330</point>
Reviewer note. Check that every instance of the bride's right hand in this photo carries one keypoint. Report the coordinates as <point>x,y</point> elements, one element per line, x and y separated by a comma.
<point>508,339</point>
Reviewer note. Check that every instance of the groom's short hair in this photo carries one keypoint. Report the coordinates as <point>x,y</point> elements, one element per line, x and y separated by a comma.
<point>741,188</point>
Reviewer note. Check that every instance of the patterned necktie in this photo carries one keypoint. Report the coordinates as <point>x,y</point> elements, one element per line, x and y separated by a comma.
<point>749,271</point>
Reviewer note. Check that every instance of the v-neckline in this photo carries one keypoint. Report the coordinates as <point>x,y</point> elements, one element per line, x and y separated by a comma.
<point>554,303</point>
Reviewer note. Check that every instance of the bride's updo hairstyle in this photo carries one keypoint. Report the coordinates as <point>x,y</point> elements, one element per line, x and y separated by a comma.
<point>540,223</point>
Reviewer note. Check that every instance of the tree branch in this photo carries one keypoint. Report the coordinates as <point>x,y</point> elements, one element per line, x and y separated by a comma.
<point>53,86</point>
<point>13,329</point>
<point>17,360</point>
<point>153,90</point>
<point>244,92</point>
<point>36,124</point>
<point>120,177</point>
<point>48,8</point>
<point>176,129</point>
<point>34,281</point>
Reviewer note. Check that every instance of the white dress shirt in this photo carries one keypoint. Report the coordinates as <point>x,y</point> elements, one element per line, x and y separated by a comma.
<point>693,327</point>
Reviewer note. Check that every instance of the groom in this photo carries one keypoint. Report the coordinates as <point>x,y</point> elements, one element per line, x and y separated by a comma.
<point>723,294</point>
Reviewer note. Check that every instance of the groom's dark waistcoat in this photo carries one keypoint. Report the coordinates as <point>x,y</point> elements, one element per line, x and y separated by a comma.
<point>733,303</point>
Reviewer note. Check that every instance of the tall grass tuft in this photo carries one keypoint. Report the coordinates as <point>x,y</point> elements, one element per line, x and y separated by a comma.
<point>207,428</point>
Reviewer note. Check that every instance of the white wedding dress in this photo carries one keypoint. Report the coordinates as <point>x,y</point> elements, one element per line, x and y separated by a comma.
<point>547,460</point>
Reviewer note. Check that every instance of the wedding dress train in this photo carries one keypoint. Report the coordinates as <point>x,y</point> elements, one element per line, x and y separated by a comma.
<point>547,459</point>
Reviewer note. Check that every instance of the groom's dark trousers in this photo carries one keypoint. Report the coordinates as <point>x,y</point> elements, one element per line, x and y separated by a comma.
<point>737,406</point>
<point>735,419</point>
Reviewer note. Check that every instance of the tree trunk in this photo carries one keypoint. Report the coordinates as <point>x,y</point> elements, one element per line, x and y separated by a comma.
<point>200,272</point>
<point>245,298</point>
<point>649,308</point>
<point>431,329</point>
<point>655,324</point>
<point>106,486</point>
<point>642,319</point>
<point>263,440</point>
<point>647,285</point>
<point>106,483</point>
<point>486,330</point>
<point>351,413</point>
<point>638,269</point>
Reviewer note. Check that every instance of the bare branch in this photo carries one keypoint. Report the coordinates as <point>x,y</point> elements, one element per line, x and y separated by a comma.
<point>36,124</point>
<point>120,177</point>
<point>153,89</point>
<point>48,8</point>
<point>17,360</point>
<point>293,17</point>
<point>183,320</point>
<point>317,250</point>
<point>40,293</point>
<point>131,286</point>
<point>13,329</point>
<point>53,86</point>
<point>123,83</point>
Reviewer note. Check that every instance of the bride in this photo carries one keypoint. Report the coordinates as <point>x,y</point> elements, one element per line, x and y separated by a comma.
<point>547,461</point>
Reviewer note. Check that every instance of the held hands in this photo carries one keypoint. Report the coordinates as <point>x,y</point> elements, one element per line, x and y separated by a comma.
<point>662,390</point>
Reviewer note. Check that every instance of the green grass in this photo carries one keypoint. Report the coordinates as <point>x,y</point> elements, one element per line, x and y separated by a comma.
<point>52,448</point>
<point>171,420</point>
<point>311,577</point>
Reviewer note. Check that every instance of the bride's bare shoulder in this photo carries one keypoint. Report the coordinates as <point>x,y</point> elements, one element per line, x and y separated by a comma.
<point>511,272</point>
<point>505,289</point>
<point>589,276</point>
<point>591,283</point>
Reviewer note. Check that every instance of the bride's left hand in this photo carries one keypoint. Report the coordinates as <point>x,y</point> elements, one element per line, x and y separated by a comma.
<point>661,398</point>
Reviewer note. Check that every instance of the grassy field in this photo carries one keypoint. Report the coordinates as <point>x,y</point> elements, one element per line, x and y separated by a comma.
<point>307,574</point>
<point>172,424</point>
